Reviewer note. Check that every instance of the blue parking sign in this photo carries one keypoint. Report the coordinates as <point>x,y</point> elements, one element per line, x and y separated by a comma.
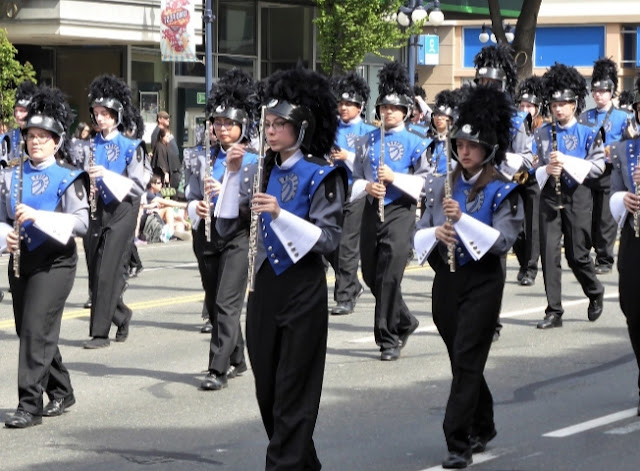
<point>429,49</point>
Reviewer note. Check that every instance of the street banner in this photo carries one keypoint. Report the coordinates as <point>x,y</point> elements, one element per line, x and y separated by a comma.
<point>177,29</point>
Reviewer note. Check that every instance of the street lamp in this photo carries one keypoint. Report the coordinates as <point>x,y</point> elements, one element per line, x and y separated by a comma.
<point>486,34</point>
<point>417,11</point>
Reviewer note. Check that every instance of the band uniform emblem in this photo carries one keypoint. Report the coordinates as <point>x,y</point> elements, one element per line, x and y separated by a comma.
<point>112,151</point>
<point>570,142</point>
<point>289,187</point>
<point>395,150</point>
<point>39,184</point>
<point>474,205</point>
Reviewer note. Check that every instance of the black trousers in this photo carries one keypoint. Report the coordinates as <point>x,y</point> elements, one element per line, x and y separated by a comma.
<point>346,257</point>
<point>384,249</point>
<point>134,257</point>
<point>38,304</point>
<point>527,245</point>
<point>287,324</point>
<point>574,222</point>
<point>111,236</point>
<point>628,263</point>
<point>466,305</point>
<point>223,269</point>
<point>603,226</point>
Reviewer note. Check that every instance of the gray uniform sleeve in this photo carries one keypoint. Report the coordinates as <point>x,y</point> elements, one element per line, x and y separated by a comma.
<point>74,201</point>
<point>596,156</point>
<point>522,145</point>
<point>507,219</point>
<point>195,185</point>
<point>139,171</point>
<point>326,212</point>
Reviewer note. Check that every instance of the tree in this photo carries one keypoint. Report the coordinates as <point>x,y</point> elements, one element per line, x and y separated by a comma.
<point>12,74</point>
<point>524,36</point>
<point>348,29</point>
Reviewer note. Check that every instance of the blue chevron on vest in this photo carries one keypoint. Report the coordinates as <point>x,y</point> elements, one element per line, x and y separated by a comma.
<point>481,207</point>
<point>41,189</point>
<point>346,137</point>
<point>113,155</point>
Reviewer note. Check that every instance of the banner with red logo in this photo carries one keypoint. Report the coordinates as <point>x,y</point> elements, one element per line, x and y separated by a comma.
<point>177,29</point>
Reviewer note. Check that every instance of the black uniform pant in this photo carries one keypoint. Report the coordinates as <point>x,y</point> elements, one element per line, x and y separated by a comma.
<point>574,222</point>
<point>346,257</point>
<point>111,236</point>
<point>384,249</point>
<point>628,263</point>
<point>527,245</point>
<point>603,226</point>
<point>466,305</point>
<point>134,257</point>
<point>287,323</point>
<point>223,268</point>
<point>38,304</point>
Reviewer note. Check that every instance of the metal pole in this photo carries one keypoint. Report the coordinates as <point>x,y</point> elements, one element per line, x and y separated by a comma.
<point>411,57</point>
<point>207,17</point>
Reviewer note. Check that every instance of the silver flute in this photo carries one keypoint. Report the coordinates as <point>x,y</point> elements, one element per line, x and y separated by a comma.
<point>448,184</point>
<point>16,225</point>
<point>380,165</point>
<point>93,190</point>
<point>257,184</point>
<point>207,173</point>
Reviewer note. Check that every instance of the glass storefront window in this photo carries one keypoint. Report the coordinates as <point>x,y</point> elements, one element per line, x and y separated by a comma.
<point>226,63</point>
<point>236,25</point>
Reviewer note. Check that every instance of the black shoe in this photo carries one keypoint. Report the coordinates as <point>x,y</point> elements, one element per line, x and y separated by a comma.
<point>404,338</point>
<point>22,419</point>
<point>390,354</point>
<point>595,308</point>
<point>57,407</point>
<point>236,370</point>
<point>207,328</point>
<point>123,330</point>
<point>527,281</point>
<point>550,321</point>
<point>521,274</point>
<point>479,442</point>
<point>603,269</point>
<point>96,342</point>
<point>342,308</point>
<point>87,305</point>
<point>1,295</point>
<point>135,271</point>
<point>359,293</point>
<point>496,336</point>
<point>457,460</point>
<point>638,409</point>
<point>214,382</point>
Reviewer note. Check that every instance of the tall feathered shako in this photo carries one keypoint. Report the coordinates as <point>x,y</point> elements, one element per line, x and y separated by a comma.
<point>25,92</point>
<point>564,83</point>
<point>605,76</point>
<point>50,111</point>
<point>394,87</point>
<point>446,102</point>
<point>497,63</point>
<point>113,93</point>
<point>485,117</point>
<point>234,96</point>
<point>305,98</point>
<point>351,87</point>
<point>531,90</point>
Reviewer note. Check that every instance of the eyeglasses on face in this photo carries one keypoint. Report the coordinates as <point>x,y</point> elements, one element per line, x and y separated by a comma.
<point>41,138</point>
<point>227,124</point>
<point>277,125</point>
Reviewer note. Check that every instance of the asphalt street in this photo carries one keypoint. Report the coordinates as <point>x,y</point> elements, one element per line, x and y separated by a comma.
<point>565,399</point>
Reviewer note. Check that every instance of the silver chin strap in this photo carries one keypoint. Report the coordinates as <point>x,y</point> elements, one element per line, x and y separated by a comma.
<point>303,129</point>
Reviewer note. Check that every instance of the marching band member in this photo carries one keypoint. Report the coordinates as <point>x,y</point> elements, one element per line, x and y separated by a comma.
<point>120,173</point>
<point>568,153</point>
<point>604,85</point>
<point>53,209</point>
<point>625,206</point>
<point>527,246</point>
<point>223,262</point>
<point>392,189</point>
<point>352,92</point>
<point>10,141</point>
<point>472,229</point>
<point>297,214</point>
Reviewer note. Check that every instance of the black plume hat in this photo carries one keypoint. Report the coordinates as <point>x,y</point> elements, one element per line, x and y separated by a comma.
<point>564,83</point>
<point>485,117</point>
<point>305,98</point>
<point>497,63</point>
<point>394,87</point>
<point>50,111</point>
<point>446,102</point>
<point>351,87</point>
<point>234,96</point>
<point>605,75</point>
<point>113,93</point>
<point>25,92</point>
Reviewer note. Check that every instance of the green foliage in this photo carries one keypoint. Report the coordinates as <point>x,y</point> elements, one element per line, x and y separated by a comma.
<point>348,29</point>
<point>12,74</point>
